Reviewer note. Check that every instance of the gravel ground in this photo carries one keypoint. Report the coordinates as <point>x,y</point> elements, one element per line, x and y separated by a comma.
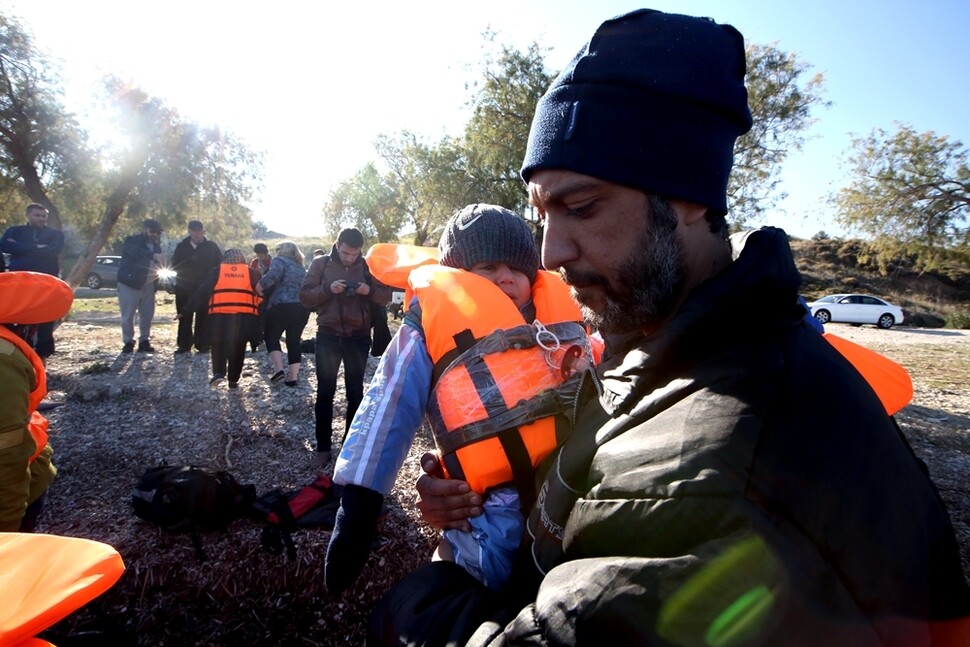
<point>121,414</point>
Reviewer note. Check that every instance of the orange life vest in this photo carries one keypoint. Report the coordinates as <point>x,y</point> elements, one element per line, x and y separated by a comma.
<point>40,297</point>
<point>493,404</point>
<point>233,292</point>
<point>45,578</point>
<point>37,425</point>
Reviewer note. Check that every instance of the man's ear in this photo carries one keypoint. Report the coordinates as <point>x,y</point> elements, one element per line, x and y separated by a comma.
<point>689,213</point>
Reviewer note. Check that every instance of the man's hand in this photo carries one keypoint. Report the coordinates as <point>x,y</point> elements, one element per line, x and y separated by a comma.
<point>445,503</point>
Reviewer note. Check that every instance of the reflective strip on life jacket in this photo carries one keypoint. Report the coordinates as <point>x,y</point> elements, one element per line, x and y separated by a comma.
<point>233,292</point>
<point>498,379</point>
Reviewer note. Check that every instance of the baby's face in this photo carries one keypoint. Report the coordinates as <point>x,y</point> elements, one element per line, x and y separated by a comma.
<point>513,283</point>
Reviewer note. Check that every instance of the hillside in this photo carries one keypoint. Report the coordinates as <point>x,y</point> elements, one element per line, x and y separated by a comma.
<point>929,300</point>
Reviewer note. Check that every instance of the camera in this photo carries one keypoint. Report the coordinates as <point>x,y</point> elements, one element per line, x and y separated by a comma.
<point>351,288</point>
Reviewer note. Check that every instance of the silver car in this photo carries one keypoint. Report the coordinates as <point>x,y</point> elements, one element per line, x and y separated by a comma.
<point>856,309</point>
<point>103,273</point>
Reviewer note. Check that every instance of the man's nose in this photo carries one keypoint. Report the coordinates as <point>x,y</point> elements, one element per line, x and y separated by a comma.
<point>557,247</point>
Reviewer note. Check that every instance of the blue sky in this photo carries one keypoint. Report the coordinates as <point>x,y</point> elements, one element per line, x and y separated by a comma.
<point>314,85</point>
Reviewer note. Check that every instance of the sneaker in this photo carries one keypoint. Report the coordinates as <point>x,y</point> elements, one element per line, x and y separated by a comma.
<point>129,347</point>
<point>321,459</point>
<point>277,376</point>
<point>145,346</point>
<point>233,385</point>
<point>217,379</point>
<point>290,383</point>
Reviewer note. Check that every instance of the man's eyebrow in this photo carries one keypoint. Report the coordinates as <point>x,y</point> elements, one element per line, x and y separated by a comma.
<point>560,193</point>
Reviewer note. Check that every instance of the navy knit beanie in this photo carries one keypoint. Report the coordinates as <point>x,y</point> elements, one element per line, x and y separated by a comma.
<point>654,101</point>
<point>485,233</point>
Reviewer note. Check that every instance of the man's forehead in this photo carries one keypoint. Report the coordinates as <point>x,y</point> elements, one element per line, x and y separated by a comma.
<point>344,248</point>
<point>551,186</point>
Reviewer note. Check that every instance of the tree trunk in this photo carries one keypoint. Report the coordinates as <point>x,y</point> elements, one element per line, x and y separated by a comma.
<point>112,211</point>
<point>35,191</point>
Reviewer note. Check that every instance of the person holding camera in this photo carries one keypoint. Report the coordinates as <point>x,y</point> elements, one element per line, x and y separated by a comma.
<point>338,286</point>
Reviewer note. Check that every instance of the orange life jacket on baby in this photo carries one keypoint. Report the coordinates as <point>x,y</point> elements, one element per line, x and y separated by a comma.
<point>233,292</point>
<point>492,405</point>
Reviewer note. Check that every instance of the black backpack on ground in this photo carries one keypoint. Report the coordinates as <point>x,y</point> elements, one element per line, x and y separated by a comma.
<point>191,498</point>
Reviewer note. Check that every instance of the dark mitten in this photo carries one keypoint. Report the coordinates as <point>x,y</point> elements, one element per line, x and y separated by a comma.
<point>352,535</point>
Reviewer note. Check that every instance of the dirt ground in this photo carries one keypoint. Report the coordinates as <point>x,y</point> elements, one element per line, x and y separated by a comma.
<point>120,414</point>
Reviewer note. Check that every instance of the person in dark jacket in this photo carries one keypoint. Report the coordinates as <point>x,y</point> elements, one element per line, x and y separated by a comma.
<point>339,288</point>
<point>729,479</point>
<point>231,295</point>
<point>193,260</point>
<point>141,258</point>
<point>35,247</point>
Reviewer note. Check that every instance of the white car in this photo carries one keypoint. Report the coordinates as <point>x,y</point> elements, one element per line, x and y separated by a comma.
<point>856,309</point>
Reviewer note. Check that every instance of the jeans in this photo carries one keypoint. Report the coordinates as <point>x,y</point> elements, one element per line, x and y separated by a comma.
<point>330,351</point>
<point>130,300</point>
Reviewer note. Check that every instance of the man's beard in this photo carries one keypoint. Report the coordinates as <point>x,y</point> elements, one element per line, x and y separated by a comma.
<point>650,281</point>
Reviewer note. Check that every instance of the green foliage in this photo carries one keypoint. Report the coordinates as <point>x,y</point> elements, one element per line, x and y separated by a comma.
<point>367,201</point>
<point>958,319</point>
<point>183,171</point>
<point>43,151</point>
<point>96,369</point>
<point>419,185</point>
<point>910,194</point>
<point>781,101</point>
<point>496,136</point>
<point>159,165</point>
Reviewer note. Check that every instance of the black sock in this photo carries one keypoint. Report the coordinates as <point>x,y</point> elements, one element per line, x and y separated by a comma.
<point>353,533</point>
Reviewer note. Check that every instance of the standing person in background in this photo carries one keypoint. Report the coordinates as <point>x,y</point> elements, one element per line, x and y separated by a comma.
<point>35,247</point>
<point>339,288</point>
<point>26,470</point>
<point>262,260</point>
<point>261,263</point>
<point>141,257</point>
<point>231,294</point>
<point>193,260</point>
<point>283,311</point>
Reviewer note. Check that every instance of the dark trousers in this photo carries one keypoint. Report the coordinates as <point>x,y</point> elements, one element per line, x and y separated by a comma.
<point>288,318</point>
<point>186,336</point>
<point>29,521</point>
<point>330,351</point>
<point>44,341</point>
<point>231,353</point>
<point>437,604</point>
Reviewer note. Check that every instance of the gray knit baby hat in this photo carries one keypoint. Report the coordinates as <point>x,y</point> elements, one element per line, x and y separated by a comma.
<point>486,233</point>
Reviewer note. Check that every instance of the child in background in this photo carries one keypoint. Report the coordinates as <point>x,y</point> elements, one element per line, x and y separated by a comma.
<point>485,331</point>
